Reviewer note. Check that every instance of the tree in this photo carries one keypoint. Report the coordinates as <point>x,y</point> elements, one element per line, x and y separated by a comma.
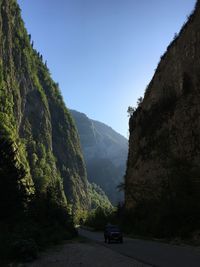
<point>130,111</point>
<point>175,35</point>
<point>139,101</point>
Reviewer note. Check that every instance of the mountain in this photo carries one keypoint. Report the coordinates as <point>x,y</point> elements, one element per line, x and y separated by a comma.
<point>162,182</point>
<point>42,172</point>
<point>105,153</point>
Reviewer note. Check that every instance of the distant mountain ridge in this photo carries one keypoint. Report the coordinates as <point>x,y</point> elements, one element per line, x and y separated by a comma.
<point>105,152</point>
<point>106,136</point>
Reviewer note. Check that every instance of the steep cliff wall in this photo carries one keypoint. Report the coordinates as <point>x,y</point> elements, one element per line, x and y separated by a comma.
<point>34,119</point>
<point>162,182</point>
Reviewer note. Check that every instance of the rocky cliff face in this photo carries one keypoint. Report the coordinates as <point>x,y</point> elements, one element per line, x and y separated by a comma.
<point>162,184</point>
<point>35,122</point>
<point>105,152</point>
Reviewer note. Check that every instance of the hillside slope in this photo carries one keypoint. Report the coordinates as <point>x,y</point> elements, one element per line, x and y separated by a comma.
<point>105,152</point>
<point>162,182</point>
<point>41,165</point>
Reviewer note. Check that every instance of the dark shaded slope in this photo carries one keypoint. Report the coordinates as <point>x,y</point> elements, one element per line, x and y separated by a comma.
<point>162,182</point>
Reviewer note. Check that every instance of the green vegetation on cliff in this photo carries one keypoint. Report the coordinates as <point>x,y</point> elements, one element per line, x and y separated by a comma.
<point>98,197</point>
<point>105,153</point>
<point>42,172</point>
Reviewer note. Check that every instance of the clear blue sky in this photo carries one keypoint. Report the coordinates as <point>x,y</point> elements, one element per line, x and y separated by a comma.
<point>103,53</point>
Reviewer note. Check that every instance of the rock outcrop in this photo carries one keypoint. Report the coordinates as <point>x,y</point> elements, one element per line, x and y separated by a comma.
<point>162,182</point>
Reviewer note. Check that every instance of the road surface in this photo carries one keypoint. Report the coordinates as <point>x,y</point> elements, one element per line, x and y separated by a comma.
<point>87,254</point>
<point>150,252</point>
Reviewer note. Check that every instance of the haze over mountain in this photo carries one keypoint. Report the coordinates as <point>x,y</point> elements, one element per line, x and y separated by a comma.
<point>162,182</point>
<point>105,152</point>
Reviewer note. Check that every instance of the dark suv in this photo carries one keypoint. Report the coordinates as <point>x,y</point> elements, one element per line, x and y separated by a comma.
<point>112,232</point>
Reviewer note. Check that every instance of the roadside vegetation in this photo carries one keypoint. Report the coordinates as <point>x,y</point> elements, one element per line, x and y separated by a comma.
<point>99,217</point>
<point>132,224</point>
